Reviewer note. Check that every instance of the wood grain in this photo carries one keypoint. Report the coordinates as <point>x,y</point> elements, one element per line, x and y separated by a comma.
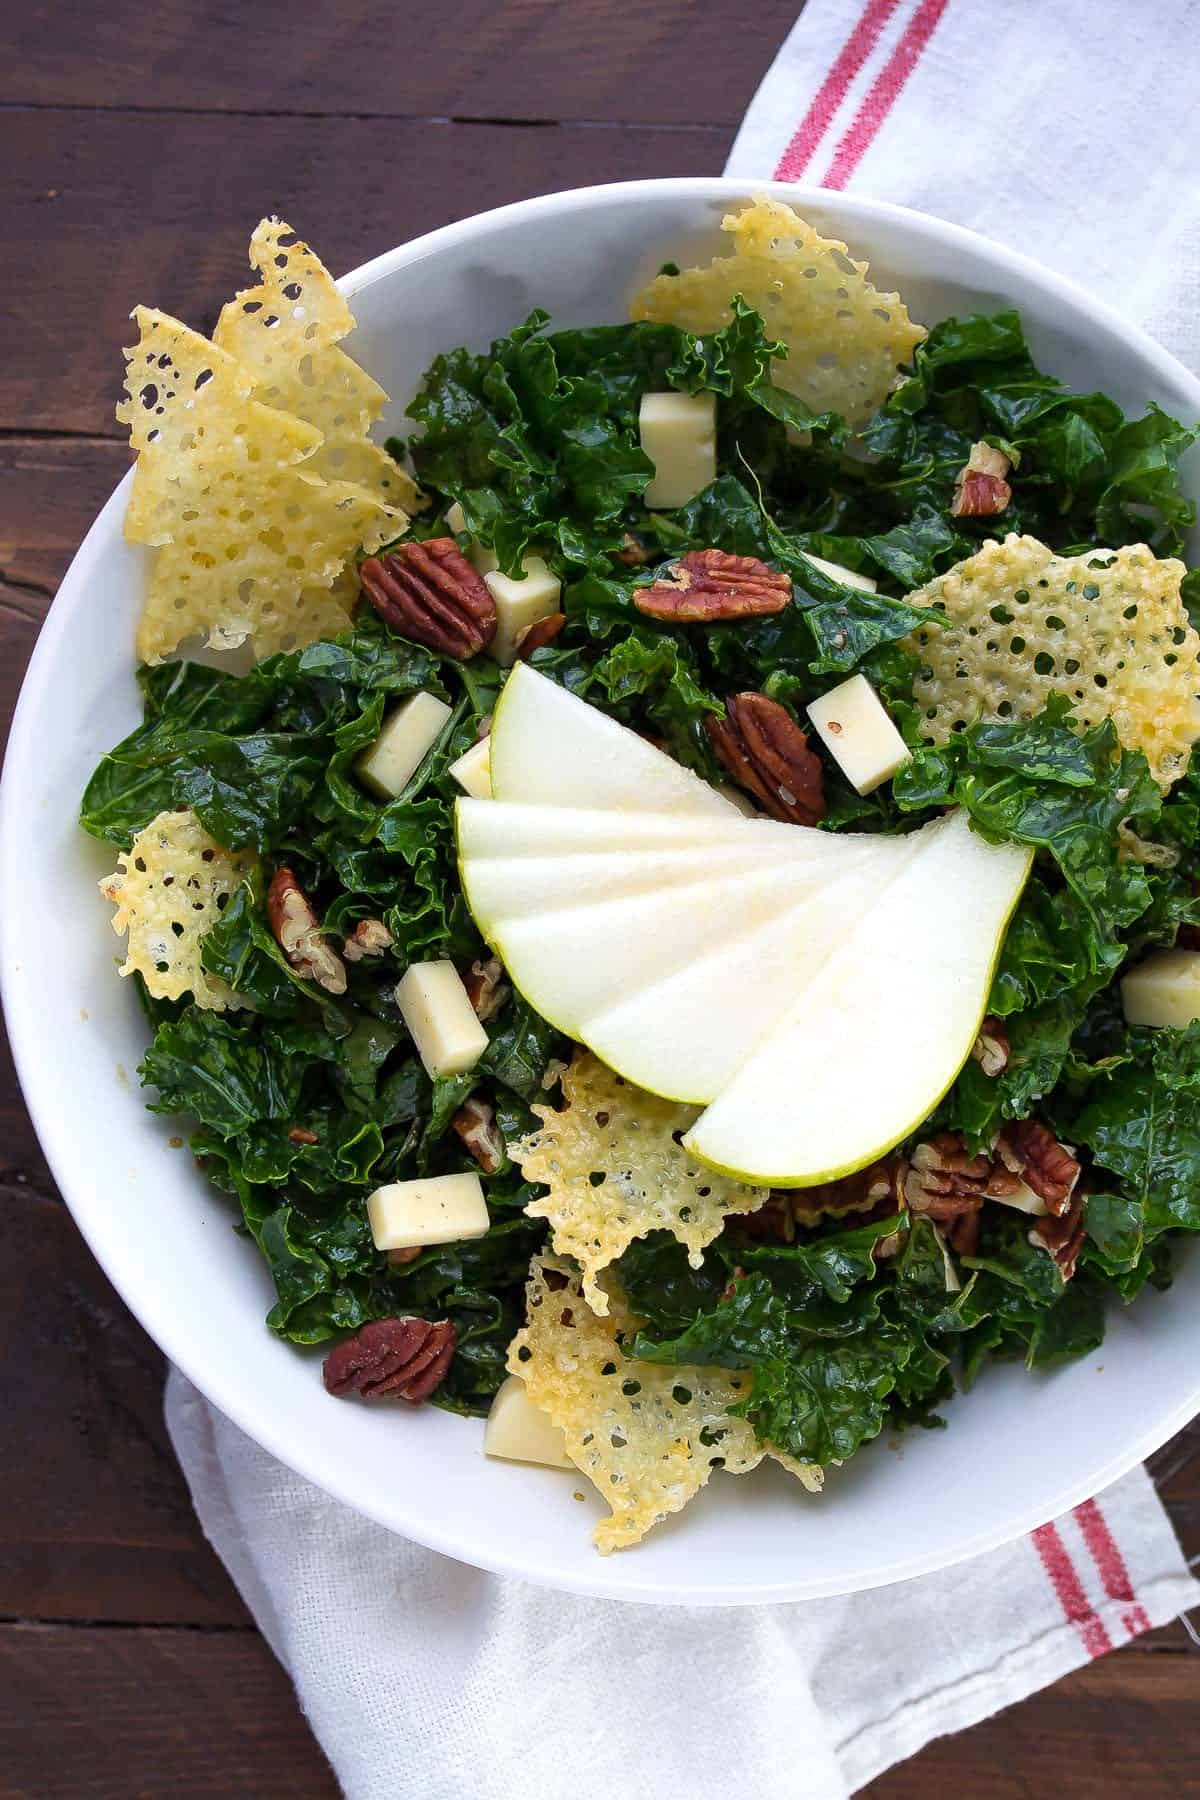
<point>190,188</point>
<point>92,1714</point>
<point>661,61</point>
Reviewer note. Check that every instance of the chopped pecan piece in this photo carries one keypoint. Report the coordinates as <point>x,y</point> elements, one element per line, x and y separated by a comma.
<point>430,593</point>
<point>300,1134</point>
<point>370,937</point>
<point>403,1359</point>
<point>486,988</point>
<point>708,586</point>
<point>962,1234</point>
<point>475,1125</point>
<point>981,489</point>
<point>766,752</point>
<point>298,933</point>
<point>944,1180</point>
<point>991,1049</point>
<point>1063,1237</point>
<point>1031,1150</point>
<point>541,632</point>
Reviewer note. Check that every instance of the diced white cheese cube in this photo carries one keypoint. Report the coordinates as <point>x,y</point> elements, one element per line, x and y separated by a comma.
<point>520,604</point>
<point>851,722</point>
<point>390,762</point>
<point>519,1431</point>
<point>437,1009</point>
<point>441,1209</point>
<point>679,434</point>
<point>473,770</point>
<point>1163,990</point>
<point>838,572</point>
<point>483,558</point>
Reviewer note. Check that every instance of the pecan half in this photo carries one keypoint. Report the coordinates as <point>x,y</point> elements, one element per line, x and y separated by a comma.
<point>370,937</point>
<point>707,586</point>
<point>1063,1237</point>
<point>766,752</point>
<point>541,632</point>
<point>486,988</point>
<point>402,1359</point>
<point>430,593</point>
<point>981,489</point>
<point>1031,1150</point>
<point>474,1124</point>
<point>991,1049</point>
<point>298,933</point>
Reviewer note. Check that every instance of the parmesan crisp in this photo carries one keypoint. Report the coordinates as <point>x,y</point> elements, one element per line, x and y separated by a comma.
<point>648,1435</point>
<point>286,332</point>
<point>169,889</point>
<point>846,341</point>
<point>612,1160</point>
<point>256,480</point>
<point>1108,630</point>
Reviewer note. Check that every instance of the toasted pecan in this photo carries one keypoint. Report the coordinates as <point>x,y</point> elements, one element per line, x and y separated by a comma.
<point>430,593</point>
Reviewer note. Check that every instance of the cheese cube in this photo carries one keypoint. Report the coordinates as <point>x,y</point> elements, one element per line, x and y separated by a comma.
<point>852,724</point>
<point>390,762</point>
<point>520,604</point>
<point>442,1209</point>
<point>519,1431</point>
<point>679,434</point>
<point>473,770</point>
<point>483,558</point>
<point>1163,990</point>
<point>437,1009</point>
<point>838,572</point>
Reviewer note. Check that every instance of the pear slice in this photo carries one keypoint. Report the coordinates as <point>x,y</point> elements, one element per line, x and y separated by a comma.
<point>499,828</point>
<point>686,1036</point>
<point>874,1040</point>
<point>551,747</point>
<point>571,963</point>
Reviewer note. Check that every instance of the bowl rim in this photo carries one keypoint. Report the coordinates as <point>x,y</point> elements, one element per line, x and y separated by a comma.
<point>41,1092</point>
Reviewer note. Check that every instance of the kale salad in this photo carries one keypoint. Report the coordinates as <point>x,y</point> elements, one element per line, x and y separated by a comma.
<point>1057,1177</point>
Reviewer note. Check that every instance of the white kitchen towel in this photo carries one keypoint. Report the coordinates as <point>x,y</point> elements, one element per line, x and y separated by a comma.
<point>1064,128</point>
<point>424,1678</point>
<point>1061,130</point>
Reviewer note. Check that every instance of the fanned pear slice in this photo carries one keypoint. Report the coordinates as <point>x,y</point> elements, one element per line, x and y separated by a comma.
<point>686,1036</point>
<point>876,1038</point>
<point>551,747</point>
<point>507,887</point>
<point>497,828</point>
<point>572,962</point>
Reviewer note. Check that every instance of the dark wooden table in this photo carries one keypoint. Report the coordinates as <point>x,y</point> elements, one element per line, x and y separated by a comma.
<point>137,148</point>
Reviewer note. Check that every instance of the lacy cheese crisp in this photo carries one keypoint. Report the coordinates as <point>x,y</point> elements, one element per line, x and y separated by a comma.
<point>169,888</point>
<point>612,1160</point>
<point>648,1435</point>
<point>286,332</point>
<point>845,340</point>
<point>1107,629</point>
<point>256,482</point>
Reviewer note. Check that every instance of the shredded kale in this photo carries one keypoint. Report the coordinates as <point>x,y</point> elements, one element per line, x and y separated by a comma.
<point>537,440</point>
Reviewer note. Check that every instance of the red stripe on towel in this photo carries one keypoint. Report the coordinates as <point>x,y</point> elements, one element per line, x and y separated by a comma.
<point>884,92</point>
<point>1064,1579</point>
<point>1110,1565</point>
<point>833,90</point>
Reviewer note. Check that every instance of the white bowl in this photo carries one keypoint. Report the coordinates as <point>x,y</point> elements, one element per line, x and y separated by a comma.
<point>1020,1449</point>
